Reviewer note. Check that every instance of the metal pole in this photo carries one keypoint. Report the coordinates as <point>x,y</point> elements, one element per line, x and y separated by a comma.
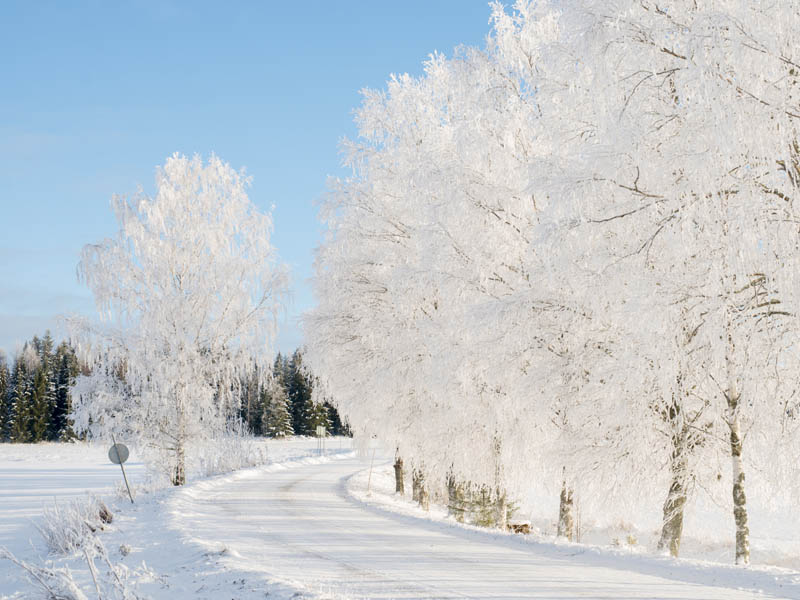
<point>123,469</point>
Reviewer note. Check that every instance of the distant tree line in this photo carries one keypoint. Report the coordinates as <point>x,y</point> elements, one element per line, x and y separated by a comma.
<point>35,399</point>
<point>284,406</point>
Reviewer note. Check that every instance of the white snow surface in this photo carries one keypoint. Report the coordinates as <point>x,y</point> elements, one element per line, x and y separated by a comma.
<point>35,475</point>
<point>750,582</point>
<point>304,527</point>
<point>301,525</point>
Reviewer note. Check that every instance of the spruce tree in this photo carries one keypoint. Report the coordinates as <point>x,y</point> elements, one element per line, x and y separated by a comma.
<point>5,395</point>
<point>251,404</point>
<point>38,405</point>
<point>299,395</point>
<point>276,420</point>
<point>48,403</point>
<point>316,416</point>
<point>337,427</point>
<point>281,369</point>
<point>65,366</point>
<point>45,349</point>
<point>19,413</point>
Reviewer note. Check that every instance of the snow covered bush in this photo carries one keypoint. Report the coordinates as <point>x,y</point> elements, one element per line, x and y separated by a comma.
<point>111,581</point>
<point>229,453</point>
<point>70,526</point>
<point>189,291</point>
<point>53,582</point>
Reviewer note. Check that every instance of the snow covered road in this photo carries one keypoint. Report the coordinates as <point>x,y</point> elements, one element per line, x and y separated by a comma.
<point>298,526</point>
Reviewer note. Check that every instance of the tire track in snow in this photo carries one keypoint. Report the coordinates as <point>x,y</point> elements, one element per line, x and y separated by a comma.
<point>287,498</point>
<point>299,525</point>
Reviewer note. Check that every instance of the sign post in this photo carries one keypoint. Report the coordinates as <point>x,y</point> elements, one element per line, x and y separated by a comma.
<point>321,439</point>
<point>118,454</point>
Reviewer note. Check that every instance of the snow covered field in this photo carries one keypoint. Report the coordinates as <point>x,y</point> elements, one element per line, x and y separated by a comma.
<point>303,526</point>
<point>33,477</point>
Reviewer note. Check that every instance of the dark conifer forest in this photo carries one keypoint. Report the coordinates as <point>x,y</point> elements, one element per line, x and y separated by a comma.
<point>35,398</point>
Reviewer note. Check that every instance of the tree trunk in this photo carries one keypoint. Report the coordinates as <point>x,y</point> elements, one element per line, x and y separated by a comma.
<point>672,522</point>
<point>501,510</point>
<point>399,484</point>
<point>733,419</point>
<point>179,474</point>
<point>416,484</point>
<point>500,504</point>
<point>566,519</point>
<point>739,498</point>
<point>734,423</point>
<point>424,498</point>
<point>419,490</point>
<point>672,519</point>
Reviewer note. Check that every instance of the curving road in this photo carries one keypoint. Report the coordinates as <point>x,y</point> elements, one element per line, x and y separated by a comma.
<point>298,526</point>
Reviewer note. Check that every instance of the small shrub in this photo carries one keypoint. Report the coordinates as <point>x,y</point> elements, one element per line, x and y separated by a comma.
<point>67,528</point>
<point>54,583</point>
<point>230,453</point>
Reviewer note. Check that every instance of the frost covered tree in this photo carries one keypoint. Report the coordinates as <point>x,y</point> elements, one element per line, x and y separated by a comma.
<point>573,253</point>
<point>188,292</point>
<point>682,136</point>
<point>430,236</point>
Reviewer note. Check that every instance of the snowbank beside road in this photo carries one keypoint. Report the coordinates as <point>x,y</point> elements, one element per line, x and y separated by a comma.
<point>776,581</point>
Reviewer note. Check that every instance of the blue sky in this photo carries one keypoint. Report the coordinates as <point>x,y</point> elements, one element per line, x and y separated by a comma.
<point>94,95</point>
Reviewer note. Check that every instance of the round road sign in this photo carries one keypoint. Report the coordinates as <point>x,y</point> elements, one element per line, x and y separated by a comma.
<point>118,453</point>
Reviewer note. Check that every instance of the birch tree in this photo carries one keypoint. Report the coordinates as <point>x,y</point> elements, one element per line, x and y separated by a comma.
<point>188,291</point>
<point>571,249</point>
<point>685,130</point>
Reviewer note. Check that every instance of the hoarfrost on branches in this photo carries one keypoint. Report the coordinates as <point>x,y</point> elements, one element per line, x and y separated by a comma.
<point>189,291</point>
<point>571,255</point>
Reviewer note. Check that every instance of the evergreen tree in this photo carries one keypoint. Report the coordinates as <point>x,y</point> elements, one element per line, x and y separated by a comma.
<point>36,345</point>
<point>337,427</point>
<point>35,399</point>
<point>44,349</point>
<point>48,365</point>
<point>281,370</point>
<point>317,415</point>
<point>65,366</point>
<point>251,404</point>
<point>20,409</point>
<point>276,419</point>
<point>39,408</point>
<point>5,390</point>
<point>299,389</point>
